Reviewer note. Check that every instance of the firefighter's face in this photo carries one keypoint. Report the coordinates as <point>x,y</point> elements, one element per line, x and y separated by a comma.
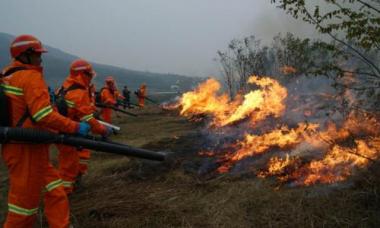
<point>35,58</point>
<point>110,84</point>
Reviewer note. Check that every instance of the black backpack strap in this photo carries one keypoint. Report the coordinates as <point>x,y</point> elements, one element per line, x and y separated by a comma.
<point>13,70</point>
<point>73,87</point>
<point>26,113</point>
<point>23,118</point>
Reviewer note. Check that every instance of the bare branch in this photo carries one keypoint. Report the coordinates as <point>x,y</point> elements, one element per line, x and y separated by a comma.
<point>369,6</point>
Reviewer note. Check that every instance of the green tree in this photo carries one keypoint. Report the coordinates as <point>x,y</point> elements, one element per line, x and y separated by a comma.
<point>355,24</point>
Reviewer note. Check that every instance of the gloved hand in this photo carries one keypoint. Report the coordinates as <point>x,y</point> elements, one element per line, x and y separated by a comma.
<point>83,129</point>
<point>108,132</point>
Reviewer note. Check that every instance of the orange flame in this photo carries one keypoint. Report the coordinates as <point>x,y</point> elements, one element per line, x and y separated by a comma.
<point>338,164</point>
<point>288,70</point>
<point>315,154</point>
<point>257,104</point>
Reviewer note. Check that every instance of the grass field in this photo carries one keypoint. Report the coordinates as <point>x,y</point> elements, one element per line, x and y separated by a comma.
<point>127,192</point>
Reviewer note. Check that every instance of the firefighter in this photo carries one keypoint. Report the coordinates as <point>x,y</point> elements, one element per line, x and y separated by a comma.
<point>78,102</point>
<point>118,97</point>
<point>141,94</point>
<point>107,96</point>
<point>127,97</point>
<point>30,172</point>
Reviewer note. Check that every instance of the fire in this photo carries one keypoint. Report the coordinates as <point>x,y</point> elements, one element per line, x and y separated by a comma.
<point>288,70</point>
<point>281,167</point>
<point>169,106</point>
<point>257,144</point>
<point>305,154</point>
<point>256,105</point>
<point>206,153</point>
<point>276,165</point>
<point>204,100</point>
<point>338,164</point>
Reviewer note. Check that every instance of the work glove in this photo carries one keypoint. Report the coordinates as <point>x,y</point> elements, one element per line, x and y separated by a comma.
<point>83,129</point>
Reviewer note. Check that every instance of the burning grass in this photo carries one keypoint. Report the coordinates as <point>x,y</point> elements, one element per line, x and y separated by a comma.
<point>134,193</point>
<point>213,184</point>
<point>124,192</point>
<point>315,151</point>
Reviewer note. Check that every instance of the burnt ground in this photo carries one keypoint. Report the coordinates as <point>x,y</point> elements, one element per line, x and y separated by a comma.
<point>128,192</point>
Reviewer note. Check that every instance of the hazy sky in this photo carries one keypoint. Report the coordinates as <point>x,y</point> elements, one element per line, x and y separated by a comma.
<point>175,36</point>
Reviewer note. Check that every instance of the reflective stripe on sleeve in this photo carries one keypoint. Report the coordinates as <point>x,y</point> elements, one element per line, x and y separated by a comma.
<point>54,184</point>
<point>83,161</point>
<point>12,90</point>
<point>87,117</point>
<point>70,104</point>
<point>21,211</point>
<point>67,184</point>
<point>42,113</point>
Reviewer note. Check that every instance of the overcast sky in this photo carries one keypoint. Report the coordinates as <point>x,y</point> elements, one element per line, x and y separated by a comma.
<point>175,36</point>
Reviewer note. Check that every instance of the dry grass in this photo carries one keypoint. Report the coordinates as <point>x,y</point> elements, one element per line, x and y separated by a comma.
<point>124,192</point>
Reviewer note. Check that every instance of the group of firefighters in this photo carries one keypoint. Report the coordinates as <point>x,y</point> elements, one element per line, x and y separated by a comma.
<point>30,170</point>
<point>109,95</point>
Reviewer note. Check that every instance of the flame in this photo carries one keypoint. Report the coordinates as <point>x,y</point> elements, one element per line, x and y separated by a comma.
<point>204,100</point>
<point>206,153</point>
<point>338,164</point>
<point>279,167</point>
<point>306,154</point>
<point>276,165</point>
<point>170,106</point>
<point>256,105</point>
<point>288,70</point>
<point>282,138</point>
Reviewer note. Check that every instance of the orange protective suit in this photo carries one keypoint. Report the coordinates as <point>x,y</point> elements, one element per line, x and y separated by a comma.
<point>118,95</point>
<point>107,97</point>
<point>80,108</point>
<point>30,171</point>
<point>85,154</point>
<point>141,94</point>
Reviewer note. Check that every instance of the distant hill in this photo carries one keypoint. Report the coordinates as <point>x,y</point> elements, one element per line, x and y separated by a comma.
<point>56,67</point>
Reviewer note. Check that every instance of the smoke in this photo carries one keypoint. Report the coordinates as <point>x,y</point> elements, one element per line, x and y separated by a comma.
<point>271,20</point>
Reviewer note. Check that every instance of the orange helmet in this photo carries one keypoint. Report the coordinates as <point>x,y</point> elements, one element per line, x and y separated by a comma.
<point>81,65</point>
<point>110,82</point>
<point>110,79</point>
<point>24,43</point>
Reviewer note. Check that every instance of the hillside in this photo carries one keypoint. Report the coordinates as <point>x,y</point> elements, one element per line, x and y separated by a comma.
<point>56,64</point>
